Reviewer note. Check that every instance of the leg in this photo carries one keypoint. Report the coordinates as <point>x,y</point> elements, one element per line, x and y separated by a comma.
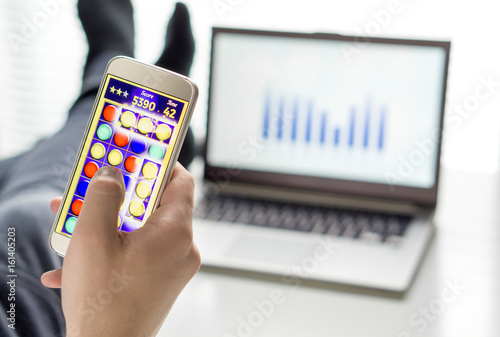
<point>108,25</point>
<point>179,43</point>
<point>110,32</point>
<point>178,56</point>
<point>37,310</point>
<point>30,181</point>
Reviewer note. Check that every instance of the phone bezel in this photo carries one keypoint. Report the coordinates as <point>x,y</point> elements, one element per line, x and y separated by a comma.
<point>149,76</point>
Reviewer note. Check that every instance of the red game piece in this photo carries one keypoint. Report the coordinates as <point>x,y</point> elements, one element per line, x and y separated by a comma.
<point>121,139</point>
<point>76,206</point>
<point>90,169</point>
<point>110,113</point>
<point>131,164</point>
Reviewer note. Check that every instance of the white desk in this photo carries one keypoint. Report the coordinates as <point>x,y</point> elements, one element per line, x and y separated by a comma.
<point>465,250</point>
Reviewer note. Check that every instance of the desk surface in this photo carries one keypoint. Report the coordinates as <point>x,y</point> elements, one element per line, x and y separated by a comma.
<point>455,293</point>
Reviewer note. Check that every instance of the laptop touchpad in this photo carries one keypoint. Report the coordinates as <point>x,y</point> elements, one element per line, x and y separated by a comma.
<point>257,247</point>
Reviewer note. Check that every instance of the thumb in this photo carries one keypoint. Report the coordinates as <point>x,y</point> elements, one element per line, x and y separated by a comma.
<point>104,197</point>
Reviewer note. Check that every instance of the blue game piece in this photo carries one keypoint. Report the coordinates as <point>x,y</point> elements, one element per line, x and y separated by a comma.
<point>82,187</point>
<point>127,179</point>
<point>138,145</point>
<point>129,226</point>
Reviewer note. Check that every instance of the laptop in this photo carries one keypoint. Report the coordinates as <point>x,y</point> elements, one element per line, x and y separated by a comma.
<point>322,156</point>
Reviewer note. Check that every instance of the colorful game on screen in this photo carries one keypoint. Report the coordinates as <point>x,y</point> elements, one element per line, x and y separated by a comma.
<point>132,131</point>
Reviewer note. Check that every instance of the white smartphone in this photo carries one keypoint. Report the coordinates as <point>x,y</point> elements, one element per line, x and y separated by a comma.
<point>138,124</point>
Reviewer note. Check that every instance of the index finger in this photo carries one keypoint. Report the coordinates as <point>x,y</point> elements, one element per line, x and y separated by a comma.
<point>181,181</point>
<point>177,201</point>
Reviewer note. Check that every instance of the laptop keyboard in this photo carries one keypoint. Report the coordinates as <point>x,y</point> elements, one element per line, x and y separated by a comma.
<point>370,226</point>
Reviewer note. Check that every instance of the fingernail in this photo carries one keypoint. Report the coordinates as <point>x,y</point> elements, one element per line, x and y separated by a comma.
<point>112,172</point>
<point>109,171</point>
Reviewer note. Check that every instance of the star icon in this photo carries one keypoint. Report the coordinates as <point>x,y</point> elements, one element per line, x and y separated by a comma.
<point>112,89</point>
<point>119,92</point>
<point>125,94</point>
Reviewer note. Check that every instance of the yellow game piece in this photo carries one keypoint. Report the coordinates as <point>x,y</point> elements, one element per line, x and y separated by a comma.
<point>136,208</point>
<point>143,190</point>
<point>115,157</point>
<point>127,119</point>
<point>163,132</point>
<point>97,151</point>
<point>150,170</point>
<point>145,125</point>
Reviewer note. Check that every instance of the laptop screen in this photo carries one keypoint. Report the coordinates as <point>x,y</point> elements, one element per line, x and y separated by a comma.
<point>328,107</point>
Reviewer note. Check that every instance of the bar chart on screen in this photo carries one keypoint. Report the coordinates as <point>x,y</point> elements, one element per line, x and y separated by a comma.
<point>302,122</point>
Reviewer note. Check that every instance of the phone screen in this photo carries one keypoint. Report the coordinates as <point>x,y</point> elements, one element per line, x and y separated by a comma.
<point>133,129</point>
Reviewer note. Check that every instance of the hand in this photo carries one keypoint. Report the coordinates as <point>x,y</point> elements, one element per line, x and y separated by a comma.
<point>116,283</point>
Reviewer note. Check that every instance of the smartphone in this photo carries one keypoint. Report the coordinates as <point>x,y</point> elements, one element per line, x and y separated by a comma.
<point>138,124</point>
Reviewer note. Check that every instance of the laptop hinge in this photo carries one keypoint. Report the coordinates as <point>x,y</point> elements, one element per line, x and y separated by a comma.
<point>320,199</point>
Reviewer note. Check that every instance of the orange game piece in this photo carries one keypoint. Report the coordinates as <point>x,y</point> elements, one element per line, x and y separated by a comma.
<point>121,139</point>
<point>110,113</point>
<point>76,206</point>
<point>131,164</point>
<point>90,169</point>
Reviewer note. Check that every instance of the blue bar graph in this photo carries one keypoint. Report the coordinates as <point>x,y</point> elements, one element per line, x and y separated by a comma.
<point>294,120</point>
<point>352,124</point>
<point>281,118</point>
<point>381,129</point>
<point>267,113</point>
<point>366,133</point>
<point>322,135</point>
<point>336,138</point>
<point>309,124</point>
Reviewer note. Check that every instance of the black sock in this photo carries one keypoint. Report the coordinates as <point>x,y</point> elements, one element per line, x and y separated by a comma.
<point>179,42</point>
<point>109,26</point>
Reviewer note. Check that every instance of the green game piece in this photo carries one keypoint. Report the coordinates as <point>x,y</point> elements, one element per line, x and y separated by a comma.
<point>104,132</point>
<point>156,152</point>
<point>69,225</point>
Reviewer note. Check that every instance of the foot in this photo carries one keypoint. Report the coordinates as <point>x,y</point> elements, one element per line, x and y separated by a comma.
<point>179,43</point>
<point>109,26</point>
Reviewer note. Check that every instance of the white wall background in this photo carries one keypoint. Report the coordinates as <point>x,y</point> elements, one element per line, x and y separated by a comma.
<point>40,78</point>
